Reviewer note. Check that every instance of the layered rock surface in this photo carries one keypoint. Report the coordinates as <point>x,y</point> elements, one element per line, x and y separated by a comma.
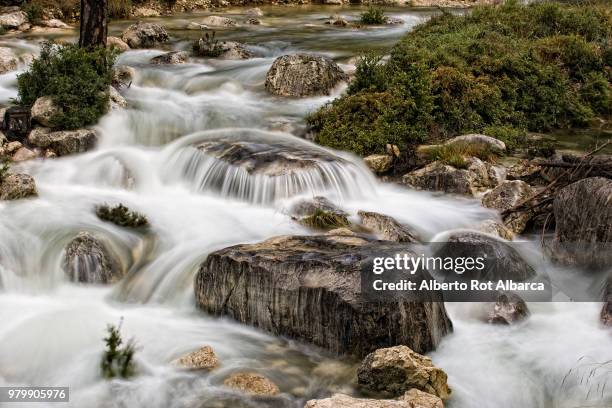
<point>309,288</point>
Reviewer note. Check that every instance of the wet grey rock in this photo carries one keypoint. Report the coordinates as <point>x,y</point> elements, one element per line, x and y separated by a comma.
<point>503,261</point>
<point>309,288</point>
<point>395,370</point>
<point>17,186</point>
<point>508,309</point>
<point>583,217</point>
<point>171,58</point>
<point>303,75</point>
<point>63,142</point>
<point>145,35</point>
<point>386,227</point>
<point>88,260</point>
<point>441,177</point>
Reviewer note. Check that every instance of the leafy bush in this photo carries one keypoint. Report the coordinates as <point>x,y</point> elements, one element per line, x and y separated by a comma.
<point>122,216</point>
<point>77,79</point>
<point>373,15</point>
<point>117,361</point>
<point>508,69</point>
<point>34,12</point>
<point>119,8</point>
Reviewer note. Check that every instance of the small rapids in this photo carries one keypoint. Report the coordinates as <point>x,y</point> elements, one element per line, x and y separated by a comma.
<point>212,160</point>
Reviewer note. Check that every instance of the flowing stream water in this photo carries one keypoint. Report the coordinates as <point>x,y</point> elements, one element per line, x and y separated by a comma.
<point>51,330</point>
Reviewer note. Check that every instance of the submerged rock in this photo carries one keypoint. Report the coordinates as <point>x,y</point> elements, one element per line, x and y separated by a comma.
<point>8,60</point>
<point>507,195</point>
<point>251,383</point>
<point>508,309</point>
<point>43,110</point>
<point>303,75</point>
<point>63,142</point>
<point>218,21</point>
<point>145,35</point>
<point>309,288</point>
<point>583,216</point>
<point>17,186</point>
<point>337,20</point>
<point>88,260</point>
<point>255,12</point>
<point>386,227</point>
<point>171,58</point>
<point>202,359</point>
<point>398,369</point>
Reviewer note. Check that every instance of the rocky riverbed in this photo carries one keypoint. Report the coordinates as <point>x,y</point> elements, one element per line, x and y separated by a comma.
<point>198,212</point>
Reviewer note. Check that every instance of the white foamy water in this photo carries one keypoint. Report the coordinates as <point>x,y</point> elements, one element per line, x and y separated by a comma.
<point>51,332</point>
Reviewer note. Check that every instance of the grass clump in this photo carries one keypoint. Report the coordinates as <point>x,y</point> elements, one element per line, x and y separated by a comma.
<point>372,16</point>
<point>122,216</point>
<point>5,167</point>
<point>34,11</point>
<point>119,8</point>
<point>456,154</point>
<point>208,46</point>
<point>507,69</point>
<point>77,80</point>
<point>117,361</point>
<point>325,220</point>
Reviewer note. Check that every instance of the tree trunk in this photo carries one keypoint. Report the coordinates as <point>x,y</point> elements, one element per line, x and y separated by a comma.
<point>93,23</point>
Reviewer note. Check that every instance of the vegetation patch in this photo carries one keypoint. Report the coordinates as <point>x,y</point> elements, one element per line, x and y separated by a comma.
<point>119,8</point>
<point>456,154</point>
<point>5,167</point>
<point>68,8</point>
<point>77,80</point>
<point>500,70</point>
<point>373,15</point>
<point>117,361</point>
<point>325,220</point>
<point>122,216</point>
<point>208,46</point>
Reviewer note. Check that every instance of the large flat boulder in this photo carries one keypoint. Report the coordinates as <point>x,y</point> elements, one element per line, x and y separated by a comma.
<point>13,19</point>
<point>303,75</point>
<point>63,142</point>
<point>345,401</point>
<point>309,288</point>
<point>145,35</point>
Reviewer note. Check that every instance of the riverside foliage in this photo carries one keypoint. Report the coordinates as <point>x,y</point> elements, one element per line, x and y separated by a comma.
<point>503,70</point>
<point>77,80</point>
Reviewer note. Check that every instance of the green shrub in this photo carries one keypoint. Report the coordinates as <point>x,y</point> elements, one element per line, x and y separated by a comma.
<point>117,361</point>
<point>373,15</point>
<point>77,79</point>
<point>34,12</point>
<point>122,216</point>
<point>505,69</point>
<point>119,8</point>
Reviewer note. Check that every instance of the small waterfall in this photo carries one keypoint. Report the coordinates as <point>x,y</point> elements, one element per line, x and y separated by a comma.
<point>264,167</point>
